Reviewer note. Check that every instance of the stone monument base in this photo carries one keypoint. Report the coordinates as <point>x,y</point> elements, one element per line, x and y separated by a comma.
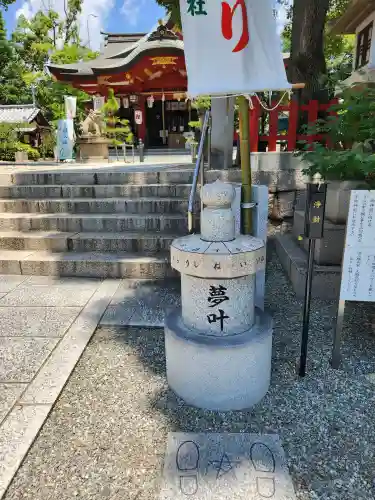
<point>92,148</point>
<point>219,373</point>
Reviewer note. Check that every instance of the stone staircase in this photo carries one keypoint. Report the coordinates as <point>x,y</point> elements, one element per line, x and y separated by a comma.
<point>92,223</point>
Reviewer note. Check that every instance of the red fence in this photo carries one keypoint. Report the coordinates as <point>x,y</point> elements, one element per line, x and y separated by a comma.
<point>290,136</point>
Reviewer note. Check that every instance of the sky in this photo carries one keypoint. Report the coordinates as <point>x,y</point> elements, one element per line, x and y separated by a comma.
<point>114,16</point>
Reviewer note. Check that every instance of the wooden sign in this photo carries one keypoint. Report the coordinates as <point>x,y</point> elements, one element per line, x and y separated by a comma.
<point>315,209</point>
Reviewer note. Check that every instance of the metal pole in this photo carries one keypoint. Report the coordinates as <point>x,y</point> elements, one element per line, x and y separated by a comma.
<point>226,126</point>
<point>306,309</point>
<point>88,32</point>
<point>209,148</point>
<point>246,211</point>
<point>336,351</point>
<point>201,175</point>
<point>163,117</point>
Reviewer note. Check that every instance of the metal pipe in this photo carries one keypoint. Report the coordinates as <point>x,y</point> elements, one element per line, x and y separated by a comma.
<point>306,309</point>
<point>196,171</point>
<point>209,147</point>
<point>336,351</point>
<point>201,175</point>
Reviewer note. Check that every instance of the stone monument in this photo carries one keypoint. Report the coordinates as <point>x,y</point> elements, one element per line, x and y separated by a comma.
<point>93,145</point>
<point>218,346</point>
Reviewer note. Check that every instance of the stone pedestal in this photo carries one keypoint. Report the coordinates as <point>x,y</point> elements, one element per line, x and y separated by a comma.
<point>93,148</point>
<point>218,347</point>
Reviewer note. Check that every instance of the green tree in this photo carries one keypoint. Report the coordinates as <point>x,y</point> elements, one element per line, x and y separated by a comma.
<point>4,4</point>
<point>12,87</point>
<point>116,129</point>
<point>318,58</point>
<point>45,38</point>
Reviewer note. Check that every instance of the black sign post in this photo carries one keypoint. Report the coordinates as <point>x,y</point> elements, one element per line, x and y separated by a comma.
<point>314,227</point>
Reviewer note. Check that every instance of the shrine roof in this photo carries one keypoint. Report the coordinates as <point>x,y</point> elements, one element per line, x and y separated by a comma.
<point>120,50</point>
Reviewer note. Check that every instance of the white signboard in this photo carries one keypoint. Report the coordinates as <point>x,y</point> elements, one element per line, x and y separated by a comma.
<point>98,102</point>
<point>65,139</point>
<point>138,117</point>
<point>231,47</point>
<point>358,269</point>
<point>70,106</point>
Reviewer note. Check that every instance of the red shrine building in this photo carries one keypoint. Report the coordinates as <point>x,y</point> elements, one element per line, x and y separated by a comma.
<point>148,75</point>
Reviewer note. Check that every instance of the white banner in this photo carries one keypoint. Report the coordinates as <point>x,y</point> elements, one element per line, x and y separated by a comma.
<point>231,47</point>
<point>70,106</point>
<point>98,102</point>
<point>65,139</point>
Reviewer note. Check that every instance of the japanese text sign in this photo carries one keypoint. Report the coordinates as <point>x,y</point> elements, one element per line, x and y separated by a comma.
<point>315,209</point>
<point>65,139</point>
<point>358,268</point>
<point>231,47</point>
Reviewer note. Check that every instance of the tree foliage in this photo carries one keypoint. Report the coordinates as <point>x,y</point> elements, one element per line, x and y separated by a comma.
<point>350,150</point>
<point>336,49</point>
<point>35,42</point>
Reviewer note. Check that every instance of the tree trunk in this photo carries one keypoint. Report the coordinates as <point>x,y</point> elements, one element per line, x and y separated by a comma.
<point>307,62</point>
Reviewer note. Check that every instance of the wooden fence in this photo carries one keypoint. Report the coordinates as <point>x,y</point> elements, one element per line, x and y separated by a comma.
<point>288,137</point>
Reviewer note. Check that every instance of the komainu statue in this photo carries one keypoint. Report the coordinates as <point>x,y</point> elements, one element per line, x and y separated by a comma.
<point>93,124</point>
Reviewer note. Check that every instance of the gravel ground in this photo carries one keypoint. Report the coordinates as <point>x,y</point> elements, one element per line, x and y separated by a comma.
<point>105,438</point>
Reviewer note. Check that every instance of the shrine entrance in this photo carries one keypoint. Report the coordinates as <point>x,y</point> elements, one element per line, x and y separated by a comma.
<point>177,116</point>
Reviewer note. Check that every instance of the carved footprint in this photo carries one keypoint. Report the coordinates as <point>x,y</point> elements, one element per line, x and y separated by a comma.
<point>188,485</point>
<point>263,460</point>
<point>187,456</point>
<point>266,487</point>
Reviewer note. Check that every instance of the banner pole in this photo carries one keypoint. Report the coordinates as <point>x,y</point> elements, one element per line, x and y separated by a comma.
<point>246,211</point>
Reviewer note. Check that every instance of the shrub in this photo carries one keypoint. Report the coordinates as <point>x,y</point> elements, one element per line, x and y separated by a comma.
<point>350,150</point>
<point>8,151</point>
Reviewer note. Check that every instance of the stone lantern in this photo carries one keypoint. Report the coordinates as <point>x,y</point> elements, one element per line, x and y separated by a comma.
<point>218,346</point>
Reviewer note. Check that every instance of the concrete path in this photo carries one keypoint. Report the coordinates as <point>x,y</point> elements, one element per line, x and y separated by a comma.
<point>106,436</point>
<point>142,303</point>
<point>45,325</point>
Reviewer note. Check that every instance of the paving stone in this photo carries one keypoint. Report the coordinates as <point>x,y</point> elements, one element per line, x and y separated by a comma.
<point>117,315</point>
<point>81,283</point>
<point>145,316</point>
<point>16,436</point>
<point>9,393</point>
<point>9,282</point>
<point>231,466</point>
<point>36,321</point>
<point>21,358</point>
<point>51,296</point>
<point>50,380</point>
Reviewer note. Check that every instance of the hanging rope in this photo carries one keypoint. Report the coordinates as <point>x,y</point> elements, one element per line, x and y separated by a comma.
<point>251,104</point>
<point>273,107</point>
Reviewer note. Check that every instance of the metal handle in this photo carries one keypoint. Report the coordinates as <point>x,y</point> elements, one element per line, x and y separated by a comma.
<point>197,170</point>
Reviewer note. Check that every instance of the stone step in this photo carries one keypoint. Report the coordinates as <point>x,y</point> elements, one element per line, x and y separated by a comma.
<point>139,176</point>
<point>94,223</point>
<point>103,176</point>
<point>146,244</point>
<point>97,206</point>
<point>326,279</point>
<point>86,264</point>
<point>108,191</point>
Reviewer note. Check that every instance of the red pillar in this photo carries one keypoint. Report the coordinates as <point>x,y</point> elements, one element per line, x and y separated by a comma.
<point>141,129</point>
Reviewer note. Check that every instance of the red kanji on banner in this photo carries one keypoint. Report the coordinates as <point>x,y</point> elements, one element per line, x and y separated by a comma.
<point>227,13</point>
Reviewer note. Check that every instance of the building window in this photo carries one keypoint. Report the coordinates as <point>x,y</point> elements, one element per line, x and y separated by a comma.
<point>363,46</point>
